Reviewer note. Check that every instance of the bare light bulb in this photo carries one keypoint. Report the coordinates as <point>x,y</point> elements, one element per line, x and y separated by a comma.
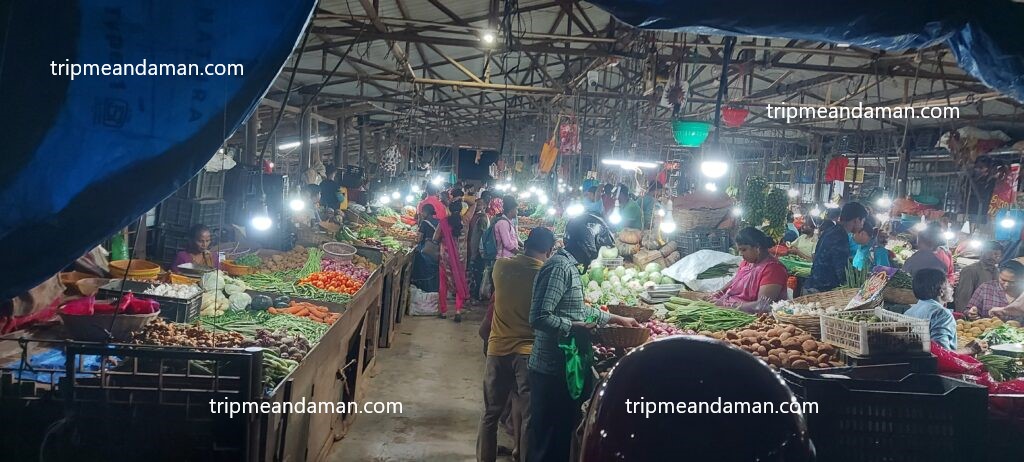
<point>714,168</point>
<point>396,195</point>
<point>297,204</point>
<point>551,211</point>
<point>711,187</point>
<point>616,217</point>
<point>574,210</point>
<point>884,202</point>
<point>737,212</point>
<point>975,244</point>
<point>793,193</point>
<point>1007,223</point>
<point>488,37</point>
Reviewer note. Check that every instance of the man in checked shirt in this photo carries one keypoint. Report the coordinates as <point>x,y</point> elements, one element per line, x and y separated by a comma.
<point>556,312</point>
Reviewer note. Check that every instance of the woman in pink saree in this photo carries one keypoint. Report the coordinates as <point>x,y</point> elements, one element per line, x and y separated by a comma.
<point>760,275</point>
<point>451,273</point>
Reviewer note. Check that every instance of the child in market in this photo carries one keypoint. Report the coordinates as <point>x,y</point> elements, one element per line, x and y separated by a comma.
<point>933,292</point>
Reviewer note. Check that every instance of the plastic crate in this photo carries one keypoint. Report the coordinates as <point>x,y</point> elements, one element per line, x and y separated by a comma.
<point>611,262</point>
<point>171,309</point>
<point>896,334</point>
<point>205,185</point>
<point>693,240</point>
<point>905,418</point>
<point>185,213</point>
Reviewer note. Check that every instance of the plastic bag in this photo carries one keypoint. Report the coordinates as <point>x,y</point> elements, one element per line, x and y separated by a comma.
<point>689,267</point>
<point>422,303</point>
<point>213,280</point>
<point>80,307</point>
<point>955,363</point>
<point>575,371</point>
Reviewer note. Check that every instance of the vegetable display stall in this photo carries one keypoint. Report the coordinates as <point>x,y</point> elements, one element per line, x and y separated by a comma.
<point>290,341</point>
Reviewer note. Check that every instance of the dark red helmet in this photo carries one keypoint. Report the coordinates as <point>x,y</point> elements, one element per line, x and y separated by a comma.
<point>692,369</point>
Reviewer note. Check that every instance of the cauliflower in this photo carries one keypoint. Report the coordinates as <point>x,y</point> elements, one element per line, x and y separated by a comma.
<point>593,285</point>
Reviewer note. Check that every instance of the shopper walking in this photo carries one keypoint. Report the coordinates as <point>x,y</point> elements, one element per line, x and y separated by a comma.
<point>510,343</point>
<point>451,273</point>
<point>556,312</point>
<point>505,234</point>
<point>424,270</point>
<point>477,225</point>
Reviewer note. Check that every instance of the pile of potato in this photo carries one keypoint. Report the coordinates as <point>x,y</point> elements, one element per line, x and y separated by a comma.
<point>780,345</point>
<point>966,331</point>
<point>292,259</point>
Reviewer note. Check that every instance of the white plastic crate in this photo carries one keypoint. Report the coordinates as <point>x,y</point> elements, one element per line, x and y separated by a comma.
<point>895,334</point>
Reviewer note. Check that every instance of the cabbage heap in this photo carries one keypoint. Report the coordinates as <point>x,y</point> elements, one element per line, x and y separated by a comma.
<point>621,285</point>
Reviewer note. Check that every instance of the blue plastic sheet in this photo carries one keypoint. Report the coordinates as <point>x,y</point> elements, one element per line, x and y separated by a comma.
<point>985,36</point>
<point>49,366</point>
<point>85,157</point>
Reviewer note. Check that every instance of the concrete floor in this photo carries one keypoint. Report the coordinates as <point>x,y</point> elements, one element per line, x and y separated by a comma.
<point>435,369</point>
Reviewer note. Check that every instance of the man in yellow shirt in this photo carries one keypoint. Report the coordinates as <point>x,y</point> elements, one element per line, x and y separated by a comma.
<point>510,344</point>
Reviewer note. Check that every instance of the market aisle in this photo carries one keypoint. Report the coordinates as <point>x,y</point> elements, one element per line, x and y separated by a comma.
<point>434,369</point>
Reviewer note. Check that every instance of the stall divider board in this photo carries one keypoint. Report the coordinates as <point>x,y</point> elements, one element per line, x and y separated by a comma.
<point>390,299</point>
<point>403,305</point>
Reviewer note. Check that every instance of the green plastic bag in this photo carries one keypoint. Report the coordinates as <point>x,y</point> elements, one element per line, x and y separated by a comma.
<point>118,247</point>
<point>578,359</point>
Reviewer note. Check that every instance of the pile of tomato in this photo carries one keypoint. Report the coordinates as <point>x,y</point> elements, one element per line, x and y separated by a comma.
<point>333,281</point>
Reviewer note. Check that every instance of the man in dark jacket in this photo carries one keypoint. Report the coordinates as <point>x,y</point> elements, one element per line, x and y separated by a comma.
<point>832,253</point>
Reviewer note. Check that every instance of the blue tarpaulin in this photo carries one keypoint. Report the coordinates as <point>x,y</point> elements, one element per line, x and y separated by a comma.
<point>985,36</point>
<point>84,157</point>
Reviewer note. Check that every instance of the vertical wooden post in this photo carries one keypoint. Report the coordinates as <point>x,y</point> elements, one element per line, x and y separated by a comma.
<point>362,142</point>
<point>304,147</point>
<point>252,130</point>
<point>340,154</point>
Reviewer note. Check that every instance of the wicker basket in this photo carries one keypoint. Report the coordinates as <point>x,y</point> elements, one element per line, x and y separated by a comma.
<point>687,219</point>
<point>622,337</point>
<point>837,298</point>
<point>386,222</point>
<point>899,296</point>
<point>810,323</point>
<point>237,270</point>
<point>635,312</point>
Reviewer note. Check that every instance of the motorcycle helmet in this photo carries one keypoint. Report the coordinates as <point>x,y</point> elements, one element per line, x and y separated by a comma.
<point>585,235</point>
<point>689,371</point>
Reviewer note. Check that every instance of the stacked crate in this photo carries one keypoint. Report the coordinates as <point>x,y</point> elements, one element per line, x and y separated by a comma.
<point>200,201</point>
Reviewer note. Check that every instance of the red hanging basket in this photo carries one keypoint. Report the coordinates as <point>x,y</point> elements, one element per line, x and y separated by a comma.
<point>734,117</point>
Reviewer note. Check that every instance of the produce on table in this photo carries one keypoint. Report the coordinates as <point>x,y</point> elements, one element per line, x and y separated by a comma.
<point>765,206</point>
<point>661,329</point>
<point>306,326</point>
<point>182,291</point>
<point>160,332</point>
<point>796,266</point>
<point>276,368</point>
<point>970,330</point>
<point>362,261</point>
<point>286,285</point>
<point>720,270</point>
<point>813,308</point>
<point>214,304</point>
<point>307,310</point>
<point>856,278</point>
<point>249,260</point>
<point>704,316</point>
<point>1002,334</point>
<point>901,280</point>
<point>1001,367</point>
<point>290,260</point>
<point>241,321</point>
<point>334,281</point>
<point>780,345</point>
<point>285,344</point>
<point>345,267</point>
<point>621,285</point>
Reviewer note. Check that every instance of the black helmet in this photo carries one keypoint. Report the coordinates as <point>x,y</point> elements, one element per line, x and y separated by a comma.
<point>692,369</point>
<point>585,235</point>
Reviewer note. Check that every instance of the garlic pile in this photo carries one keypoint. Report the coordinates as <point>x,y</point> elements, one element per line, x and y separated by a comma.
<point>813,308</point>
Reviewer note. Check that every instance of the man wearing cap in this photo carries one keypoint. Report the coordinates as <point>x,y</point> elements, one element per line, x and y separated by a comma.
<point>510,343</point>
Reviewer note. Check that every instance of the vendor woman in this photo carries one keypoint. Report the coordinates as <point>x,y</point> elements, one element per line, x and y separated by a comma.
<point>760,275</point>
<point>197,250</point>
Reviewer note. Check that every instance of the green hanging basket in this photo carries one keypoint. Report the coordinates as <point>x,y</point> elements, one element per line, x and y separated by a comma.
<point>690,133</point>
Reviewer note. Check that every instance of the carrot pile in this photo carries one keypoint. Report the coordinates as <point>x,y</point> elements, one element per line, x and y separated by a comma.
<point>307,310</point>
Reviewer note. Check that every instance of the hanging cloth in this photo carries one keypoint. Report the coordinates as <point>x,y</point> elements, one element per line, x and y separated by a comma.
<point>548,154</point>
<point>836,170</point>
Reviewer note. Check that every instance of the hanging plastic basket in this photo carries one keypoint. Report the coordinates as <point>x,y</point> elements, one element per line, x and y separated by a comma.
<point>733,117</point>
<point>690,133</point>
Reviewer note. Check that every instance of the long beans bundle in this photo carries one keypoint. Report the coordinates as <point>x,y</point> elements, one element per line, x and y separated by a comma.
<point>703,316</point>
<point>1001,367</point>
<point>284,282</point>
<point>242,321</point>
<point>312,330</point>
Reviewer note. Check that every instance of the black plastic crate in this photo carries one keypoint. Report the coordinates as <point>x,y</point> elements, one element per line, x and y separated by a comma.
<point>170,242</point>
<point>902,418</point>
<point>205,185</point>
<point>185,213</point>
<point>693,240</point>
<point>171,309</point>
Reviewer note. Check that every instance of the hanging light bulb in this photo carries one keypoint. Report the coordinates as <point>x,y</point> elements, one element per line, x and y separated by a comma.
<point>436,181</point>
<point>922,225</point>
<point>396,195</point>
<point>542,199</point>
<point>884,202</point>
<point>415,189</point>
<point>410,199</point>
<point>668,225</point>
<point>1007,223</point>
<point>882,217</point>
<point>661,212</point>
<point>525,195</point>
<point>551,211</point>
<point>261,221</point>
<point>714,168</point>
<point>297,204</point>
<point>815,212</point>
<point>975,244</point>
<point>948,235</point>
<point>514,189</point>
<point>711,187</point>
<point>616,217</point>
<point>533,189</point>
<point>793,193</point>
<point>574,210</point>
<point>737,211</point>
<point>384,200</point>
